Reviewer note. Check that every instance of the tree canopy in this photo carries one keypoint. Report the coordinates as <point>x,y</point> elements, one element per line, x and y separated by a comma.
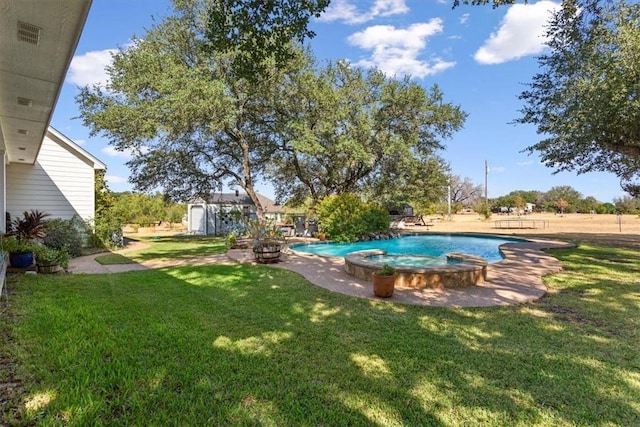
<point>464,192</point>
<point>585,99</point>
<point>345,129</point>
<point>194,124</point>
<point>259,33</point>
<point>190,122</point>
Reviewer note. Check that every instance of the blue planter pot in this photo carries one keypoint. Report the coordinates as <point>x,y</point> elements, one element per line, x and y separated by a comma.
<point>21,259</point>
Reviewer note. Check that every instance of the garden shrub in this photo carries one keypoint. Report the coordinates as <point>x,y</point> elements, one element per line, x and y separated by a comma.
<point>63,233</point>
<point>107,233</point>
<point>345,218</point>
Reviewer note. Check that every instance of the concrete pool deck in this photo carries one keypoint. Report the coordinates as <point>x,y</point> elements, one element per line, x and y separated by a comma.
<point>515,280</point>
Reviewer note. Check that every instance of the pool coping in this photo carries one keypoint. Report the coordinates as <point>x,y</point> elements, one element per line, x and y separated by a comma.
<point>514,280</point>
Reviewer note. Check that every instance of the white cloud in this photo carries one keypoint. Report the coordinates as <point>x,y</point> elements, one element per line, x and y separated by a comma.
<point>114,179</point>
<point>396,51</point>
<point>521,33</point>
<point>464,18</point>
<point>346,11</point>
<point>497,169</point>
<point>79,141</point>
<point>88,69</point>
<point>112,152</point>
<point>125,154</point>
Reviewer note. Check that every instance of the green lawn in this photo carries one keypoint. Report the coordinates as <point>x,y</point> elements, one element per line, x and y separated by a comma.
<point>247,345</point>
<point>166,247</point>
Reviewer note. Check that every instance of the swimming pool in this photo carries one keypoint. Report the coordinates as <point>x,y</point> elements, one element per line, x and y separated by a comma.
<point>417,249</point>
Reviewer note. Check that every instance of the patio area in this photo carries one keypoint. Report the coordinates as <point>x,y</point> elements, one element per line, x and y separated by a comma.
<point>515,280</point>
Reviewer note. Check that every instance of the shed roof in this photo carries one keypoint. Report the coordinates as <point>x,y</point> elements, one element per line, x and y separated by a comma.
<point>243,199</point>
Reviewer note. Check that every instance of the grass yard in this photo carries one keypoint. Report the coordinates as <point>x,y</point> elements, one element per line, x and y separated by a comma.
<point>249,345</point>
<point>162,248</point>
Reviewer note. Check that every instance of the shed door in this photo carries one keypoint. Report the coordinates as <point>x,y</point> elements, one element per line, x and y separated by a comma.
<point>196,220</point>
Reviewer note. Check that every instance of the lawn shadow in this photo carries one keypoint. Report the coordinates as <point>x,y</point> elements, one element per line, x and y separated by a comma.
<point>260,345</point>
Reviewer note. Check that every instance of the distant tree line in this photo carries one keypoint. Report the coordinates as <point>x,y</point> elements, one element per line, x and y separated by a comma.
<point>114,209</point>
<point>567,199</point>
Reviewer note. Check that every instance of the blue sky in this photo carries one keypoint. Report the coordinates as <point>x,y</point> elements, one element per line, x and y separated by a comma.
<point>479,56</point>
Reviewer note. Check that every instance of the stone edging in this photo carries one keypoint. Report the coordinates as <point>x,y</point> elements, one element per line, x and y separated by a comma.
<point>470,271</point>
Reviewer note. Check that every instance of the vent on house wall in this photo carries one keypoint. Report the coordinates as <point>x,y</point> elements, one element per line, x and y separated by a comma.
<point>25,101</point>
<point>28,33</point>
<point>23,132</point>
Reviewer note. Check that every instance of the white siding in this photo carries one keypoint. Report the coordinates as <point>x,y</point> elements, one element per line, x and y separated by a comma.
<point>60,183</point>
<point>3,193</point>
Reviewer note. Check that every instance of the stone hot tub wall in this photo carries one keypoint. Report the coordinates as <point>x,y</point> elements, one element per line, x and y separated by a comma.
<point>470,271</point>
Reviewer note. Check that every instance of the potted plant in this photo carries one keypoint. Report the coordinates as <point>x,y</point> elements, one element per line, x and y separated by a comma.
<point>20,252</point>
<point>384,281</point>
<point>267,251</point>
<point>26,230</point>
<point>266,246</point>
<point>49,260</point>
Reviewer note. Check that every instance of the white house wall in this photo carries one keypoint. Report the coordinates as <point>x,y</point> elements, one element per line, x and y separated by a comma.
<point>60,183</point>
<point>3,191</point>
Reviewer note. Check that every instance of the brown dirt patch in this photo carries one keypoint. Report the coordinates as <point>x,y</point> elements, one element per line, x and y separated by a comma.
<point>578,228</point>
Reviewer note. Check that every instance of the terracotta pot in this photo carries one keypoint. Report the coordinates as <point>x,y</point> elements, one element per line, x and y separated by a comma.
<point>383,286</point>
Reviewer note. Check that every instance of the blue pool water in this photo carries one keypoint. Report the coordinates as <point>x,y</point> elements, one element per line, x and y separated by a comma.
<point>435,246</point>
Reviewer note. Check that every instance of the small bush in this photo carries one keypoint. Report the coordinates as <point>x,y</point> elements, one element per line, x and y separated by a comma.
<point>107,233</point>
<point>483,210</point>
<point>345,218</point>
<point>46,256</point>
<point>69,234</point>
<point>386,270</point>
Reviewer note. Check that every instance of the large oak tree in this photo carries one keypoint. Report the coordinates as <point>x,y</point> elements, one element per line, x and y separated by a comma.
<point>585,100</point>
<point>190,121</point>
<point>193,121</point>
<point>345,129</point>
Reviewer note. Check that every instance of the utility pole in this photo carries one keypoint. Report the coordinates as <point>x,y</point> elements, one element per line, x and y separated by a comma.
<point>449,199</point>
<point>486,180</point>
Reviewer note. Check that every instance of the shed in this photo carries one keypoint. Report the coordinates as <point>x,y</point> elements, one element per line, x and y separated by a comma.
<point>221,212</point>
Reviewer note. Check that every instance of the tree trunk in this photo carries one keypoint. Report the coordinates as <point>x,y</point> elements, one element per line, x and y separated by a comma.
<point>256,201</point>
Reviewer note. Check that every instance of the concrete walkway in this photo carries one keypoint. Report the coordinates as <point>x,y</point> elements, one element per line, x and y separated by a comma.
<point>516,279</point>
